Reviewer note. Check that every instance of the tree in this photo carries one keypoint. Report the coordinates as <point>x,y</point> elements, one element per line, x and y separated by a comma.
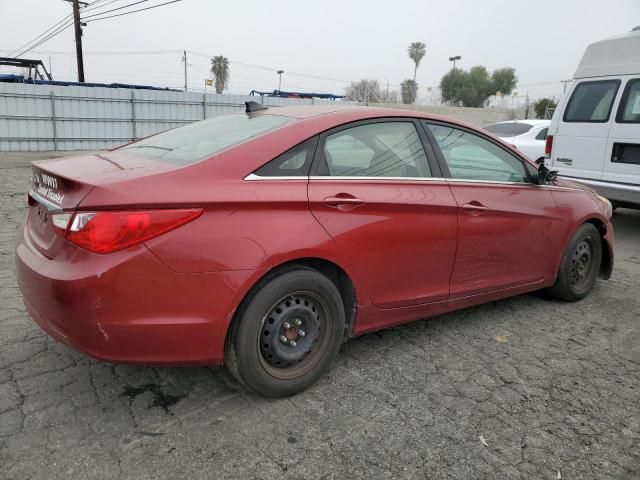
<point>504,80</point>
<point>543,105</point>
<point>408,91</point>
<point>220,70</point>
<point>416,52</point>
<point>365,90</point>
<point>473,88</point>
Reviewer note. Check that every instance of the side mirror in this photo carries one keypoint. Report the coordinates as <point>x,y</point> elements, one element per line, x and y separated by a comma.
<point>546,176</point>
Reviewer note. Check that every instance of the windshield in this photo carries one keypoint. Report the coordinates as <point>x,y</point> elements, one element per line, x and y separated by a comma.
<point>196,141</point>
<point>510,129</point>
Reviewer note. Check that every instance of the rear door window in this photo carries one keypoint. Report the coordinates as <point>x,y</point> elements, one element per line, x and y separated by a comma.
<point>380,149</point>
<point>591,102</point>
<point>629,110</point>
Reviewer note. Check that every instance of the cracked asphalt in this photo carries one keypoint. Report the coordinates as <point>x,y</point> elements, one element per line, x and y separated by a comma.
<point>521,388</point>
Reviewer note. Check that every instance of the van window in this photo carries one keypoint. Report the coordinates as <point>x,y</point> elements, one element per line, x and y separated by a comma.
<point>592,101</point>
<point>629,110</point>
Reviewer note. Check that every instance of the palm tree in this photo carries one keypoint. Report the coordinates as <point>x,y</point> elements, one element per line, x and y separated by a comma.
<point>416,51</point>
<point>409,91</point>
<point>220,69</point>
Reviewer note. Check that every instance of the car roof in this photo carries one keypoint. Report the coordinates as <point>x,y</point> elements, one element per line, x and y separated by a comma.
<point>336,114</point>
<point>306,111</point>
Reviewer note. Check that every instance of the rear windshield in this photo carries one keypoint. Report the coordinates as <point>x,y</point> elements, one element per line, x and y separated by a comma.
<point>199,140</point>
<point>508,129</point>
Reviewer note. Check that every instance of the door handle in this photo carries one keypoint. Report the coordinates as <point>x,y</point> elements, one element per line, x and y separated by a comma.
<point>475,208</point>
<point>343,201</point>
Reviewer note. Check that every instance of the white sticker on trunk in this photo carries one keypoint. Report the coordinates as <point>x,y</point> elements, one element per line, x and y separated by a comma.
<point>48,187</point>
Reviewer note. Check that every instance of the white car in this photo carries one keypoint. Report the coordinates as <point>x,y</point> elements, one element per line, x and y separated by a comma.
<point>528,136</point>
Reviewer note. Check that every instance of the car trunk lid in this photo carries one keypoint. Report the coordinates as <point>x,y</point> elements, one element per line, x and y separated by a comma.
<point>60,185</point>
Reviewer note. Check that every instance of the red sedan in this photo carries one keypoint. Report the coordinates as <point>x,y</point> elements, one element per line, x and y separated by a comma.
<point>264,239</point>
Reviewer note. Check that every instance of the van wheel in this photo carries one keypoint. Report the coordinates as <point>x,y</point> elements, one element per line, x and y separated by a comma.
<point>287,334</point>
<point>579,266</point>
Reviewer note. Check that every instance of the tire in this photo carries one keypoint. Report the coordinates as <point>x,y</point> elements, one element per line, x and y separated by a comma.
<point>287,332</point>
<point>579,266</point>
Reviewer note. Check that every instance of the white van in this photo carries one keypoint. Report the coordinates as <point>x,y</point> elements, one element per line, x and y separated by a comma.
<point>594,136</point>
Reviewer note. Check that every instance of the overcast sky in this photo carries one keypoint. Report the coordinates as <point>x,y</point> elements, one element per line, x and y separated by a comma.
<point>336,40</point>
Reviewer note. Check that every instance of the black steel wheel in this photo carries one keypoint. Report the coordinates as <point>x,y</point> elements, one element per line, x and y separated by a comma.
<point>580,265</point>
<point>287,332</point>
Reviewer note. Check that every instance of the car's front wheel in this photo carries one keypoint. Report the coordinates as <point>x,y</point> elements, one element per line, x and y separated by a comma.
<point>579,266</point>
<point>287,332</point>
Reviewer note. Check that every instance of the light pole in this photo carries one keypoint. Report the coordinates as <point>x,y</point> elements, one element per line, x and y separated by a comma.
<point>280,72</point>
<point>453,76</point>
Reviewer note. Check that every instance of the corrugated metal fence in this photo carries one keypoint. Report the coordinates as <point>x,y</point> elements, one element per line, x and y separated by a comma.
<point>46,117</point>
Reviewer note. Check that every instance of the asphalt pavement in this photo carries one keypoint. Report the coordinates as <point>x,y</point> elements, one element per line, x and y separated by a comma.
<point>522,388</point>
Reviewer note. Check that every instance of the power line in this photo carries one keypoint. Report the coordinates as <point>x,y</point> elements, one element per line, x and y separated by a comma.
<point>271,69</point>
<point>99,6</point>
<point>18,52</point>
<point>48,37</point>
<point>62,20</point>
<point>140,52</point>
<point>113,9</point>
<point>132,11</point>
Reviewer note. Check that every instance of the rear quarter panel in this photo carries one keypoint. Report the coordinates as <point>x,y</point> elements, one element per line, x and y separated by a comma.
<point>249,225</point>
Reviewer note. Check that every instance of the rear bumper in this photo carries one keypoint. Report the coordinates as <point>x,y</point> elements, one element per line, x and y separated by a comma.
<point>128,306</point>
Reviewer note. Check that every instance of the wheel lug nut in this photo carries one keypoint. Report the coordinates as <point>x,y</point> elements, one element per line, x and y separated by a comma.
<point>284,339</point>
<point>293,343</point>
<point>302,333</point>
<point>298,322</point>
<point>287,325</point>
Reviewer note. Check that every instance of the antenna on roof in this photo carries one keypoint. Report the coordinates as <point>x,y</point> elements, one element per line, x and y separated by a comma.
<point>254,107</point>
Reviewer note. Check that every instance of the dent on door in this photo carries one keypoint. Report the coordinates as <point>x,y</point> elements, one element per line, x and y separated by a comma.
<point>504,232</point>
<point>400,236</point>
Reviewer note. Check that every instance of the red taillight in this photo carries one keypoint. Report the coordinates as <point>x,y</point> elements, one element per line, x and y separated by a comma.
<point>548,145</point>
<point>106,232</point>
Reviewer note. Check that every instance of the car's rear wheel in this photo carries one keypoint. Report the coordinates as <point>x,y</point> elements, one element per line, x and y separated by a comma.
<point>579,266</point>
<point>287,332</point>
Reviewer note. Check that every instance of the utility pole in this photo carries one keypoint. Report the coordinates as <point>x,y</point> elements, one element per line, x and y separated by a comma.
<point>453,76</point>
<point>185,69</point>
<point>280,72</point>
<point>78,31</point>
